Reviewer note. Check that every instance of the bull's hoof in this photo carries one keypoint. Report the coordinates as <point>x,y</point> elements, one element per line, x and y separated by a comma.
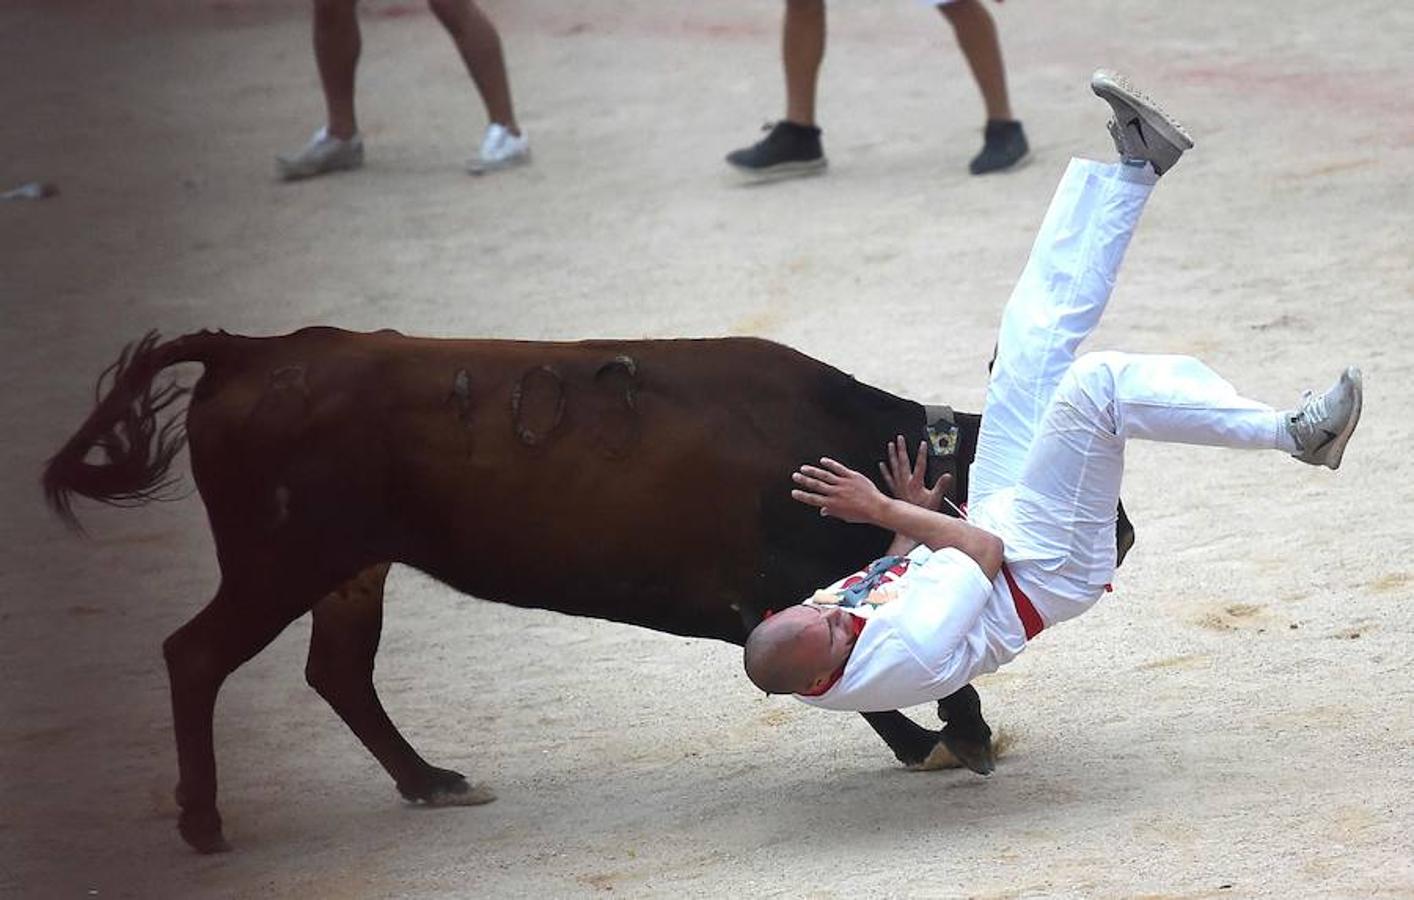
<point>955,751</point>
<point>202,831</point>
<point>971,749</point>
<point>940,758</point>
<point>443,787</point>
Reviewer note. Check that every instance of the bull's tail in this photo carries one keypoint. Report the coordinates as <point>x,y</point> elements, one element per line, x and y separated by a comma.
<point>137,451</point>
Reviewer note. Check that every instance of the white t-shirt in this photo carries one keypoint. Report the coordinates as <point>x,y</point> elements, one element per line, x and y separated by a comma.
<point>931,628</point>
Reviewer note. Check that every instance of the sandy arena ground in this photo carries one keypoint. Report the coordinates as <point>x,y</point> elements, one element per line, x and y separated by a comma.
<point>1234,721</point>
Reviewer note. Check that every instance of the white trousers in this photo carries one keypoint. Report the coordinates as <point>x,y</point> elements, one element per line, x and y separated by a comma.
<point>1050,455</point>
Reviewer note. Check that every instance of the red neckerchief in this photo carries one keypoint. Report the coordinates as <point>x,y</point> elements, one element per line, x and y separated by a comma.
<point>858,622</point>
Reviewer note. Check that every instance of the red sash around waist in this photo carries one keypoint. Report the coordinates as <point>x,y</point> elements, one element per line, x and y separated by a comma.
<point>1030,619</point>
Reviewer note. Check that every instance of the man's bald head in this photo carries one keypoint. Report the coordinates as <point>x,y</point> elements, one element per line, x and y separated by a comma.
<point>798,649</point>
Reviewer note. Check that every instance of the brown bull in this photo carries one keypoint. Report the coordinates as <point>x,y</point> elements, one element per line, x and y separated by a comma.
<point>538,474</point>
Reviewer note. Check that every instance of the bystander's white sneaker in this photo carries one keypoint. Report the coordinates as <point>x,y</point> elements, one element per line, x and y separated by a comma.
<point>324,153</point>
<point>1322,425</point>
<point>500,150</point>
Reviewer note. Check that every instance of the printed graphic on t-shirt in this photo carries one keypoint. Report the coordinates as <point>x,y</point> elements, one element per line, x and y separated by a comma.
<point>868,588</point>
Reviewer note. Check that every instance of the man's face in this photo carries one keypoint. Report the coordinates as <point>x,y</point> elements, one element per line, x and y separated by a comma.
<point>822,645</point>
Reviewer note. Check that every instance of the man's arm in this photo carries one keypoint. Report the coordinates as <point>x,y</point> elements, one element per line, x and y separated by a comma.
<point>839,491</point>
<point>901,545</point>
<point>939,531</point>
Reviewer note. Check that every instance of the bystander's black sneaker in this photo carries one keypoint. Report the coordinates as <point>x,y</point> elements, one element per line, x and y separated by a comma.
<point>1003,146</point>
<point>787,151</point>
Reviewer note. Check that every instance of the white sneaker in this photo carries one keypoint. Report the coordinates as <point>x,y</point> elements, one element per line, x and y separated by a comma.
<point>1323,424</point>
<point>500,150</point>
<point>323,154</point>
<point>1141,128</point>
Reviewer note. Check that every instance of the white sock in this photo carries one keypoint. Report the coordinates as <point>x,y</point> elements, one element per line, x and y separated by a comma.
<point>1138,171</point>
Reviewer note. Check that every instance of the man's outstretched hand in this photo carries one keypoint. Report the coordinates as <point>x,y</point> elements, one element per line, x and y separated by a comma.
<point>837,490</point>
<point>907,481</point>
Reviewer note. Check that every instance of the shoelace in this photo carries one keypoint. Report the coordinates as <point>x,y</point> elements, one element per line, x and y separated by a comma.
<point>1303,423</point>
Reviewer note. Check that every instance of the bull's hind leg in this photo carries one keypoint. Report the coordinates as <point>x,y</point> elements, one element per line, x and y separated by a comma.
<point>347,625</point>
<point>237,624</point>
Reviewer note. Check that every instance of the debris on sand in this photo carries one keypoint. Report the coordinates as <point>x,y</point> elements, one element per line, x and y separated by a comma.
<point>34,190</point>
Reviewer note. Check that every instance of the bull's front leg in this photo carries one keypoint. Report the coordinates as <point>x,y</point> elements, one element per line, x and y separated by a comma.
<point>910,741</point>
<point>965,735</point>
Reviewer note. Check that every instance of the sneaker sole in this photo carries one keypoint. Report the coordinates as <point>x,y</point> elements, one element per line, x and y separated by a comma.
<point>1021,163</point>
<point>477,167</point>
<point>1108,83</point>
<point>286,171</point>
<point>1336,451</point>
<point>781,171</point>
